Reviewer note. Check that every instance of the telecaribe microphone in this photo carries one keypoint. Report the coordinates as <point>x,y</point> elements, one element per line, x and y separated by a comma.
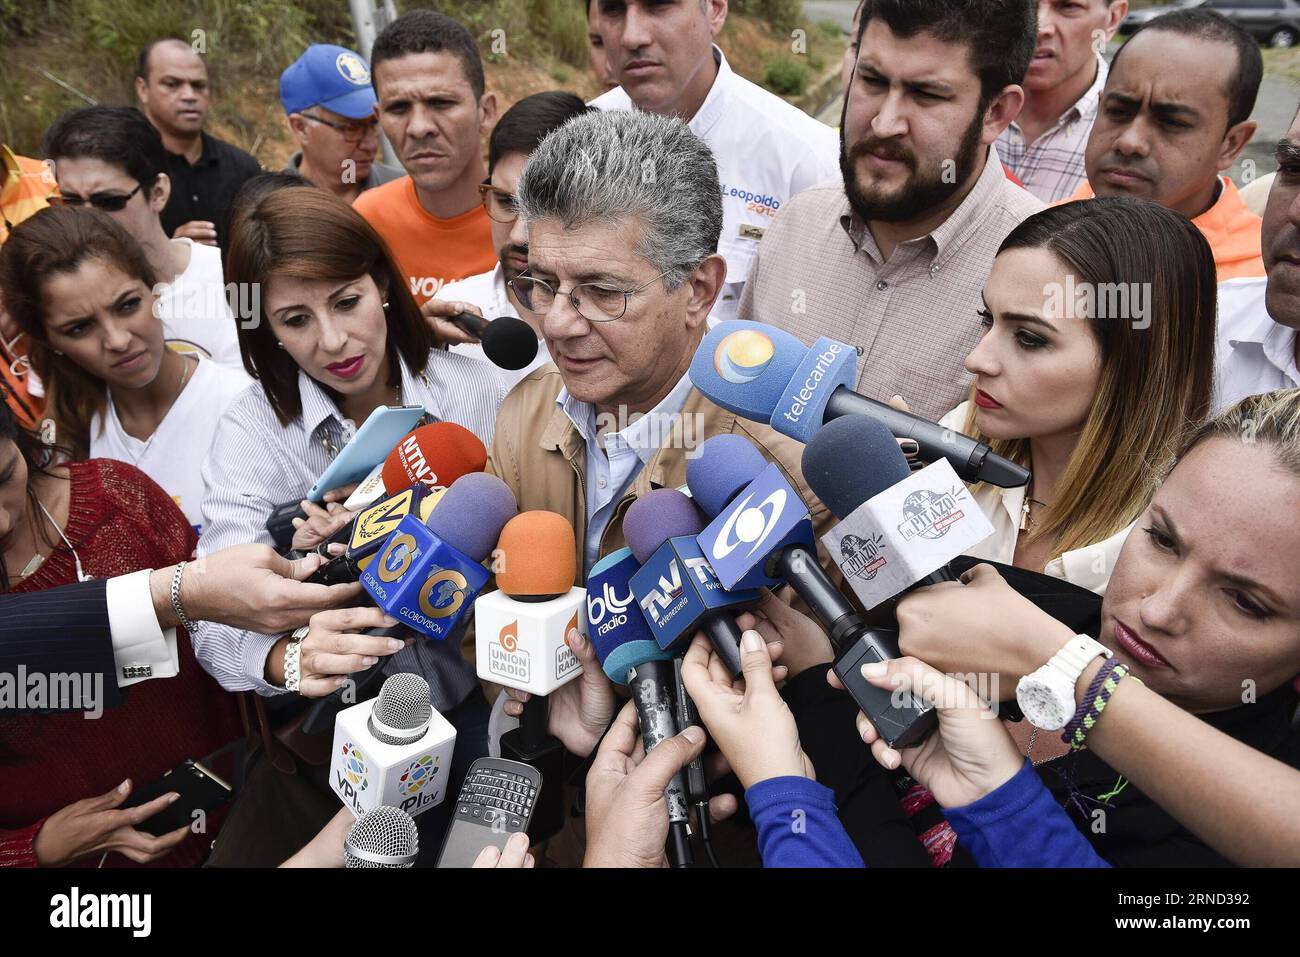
<point>383,837</point>
<point>676,588</point>
<point>766,375</point>
<point>631,657</point>
<point>393,751</point>
<point>508,342</point>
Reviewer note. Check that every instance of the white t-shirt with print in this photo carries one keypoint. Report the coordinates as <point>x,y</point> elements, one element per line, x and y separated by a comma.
<point>195,314</point>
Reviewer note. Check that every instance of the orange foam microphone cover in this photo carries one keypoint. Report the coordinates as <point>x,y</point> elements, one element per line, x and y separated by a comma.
<point>536,555</point>
<point>436,454</point>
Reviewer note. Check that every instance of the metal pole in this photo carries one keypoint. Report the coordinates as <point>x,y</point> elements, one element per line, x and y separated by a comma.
<point>367,21</point>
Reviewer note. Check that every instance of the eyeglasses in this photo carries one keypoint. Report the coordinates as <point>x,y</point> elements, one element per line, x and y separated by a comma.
<point>500,205</point>
<point>108,202</point>
<point>351,132</point>
<point>595,301</point>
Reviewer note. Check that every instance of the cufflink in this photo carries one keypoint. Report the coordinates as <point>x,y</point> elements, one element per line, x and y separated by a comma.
<point>137,671</point>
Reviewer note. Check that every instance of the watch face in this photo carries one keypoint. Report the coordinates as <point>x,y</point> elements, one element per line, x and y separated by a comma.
<point>1043,704</point>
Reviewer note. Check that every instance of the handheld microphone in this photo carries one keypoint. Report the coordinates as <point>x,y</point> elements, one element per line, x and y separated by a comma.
<point>393,751</point>
<point>520,642</point>
<point>631,657</point>
<point>383,837</point>
<point>509,342</point>
<point>366,534</point>
<point>677,589</point>
<point>766,375</point>
<point>427,576</point>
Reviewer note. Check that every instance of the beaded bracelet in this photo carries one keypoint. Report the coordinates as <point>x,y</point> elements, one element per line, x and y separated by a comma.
<point>1094,702</point>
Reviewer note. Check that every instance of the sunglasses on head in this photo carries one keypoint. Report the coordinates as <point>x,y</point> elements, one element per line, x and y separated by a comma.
<point>108,202</point>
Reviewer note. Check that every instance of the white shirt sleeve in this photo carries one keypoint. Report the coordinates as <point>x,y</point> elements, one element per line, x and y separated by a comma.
<point>141,649</point>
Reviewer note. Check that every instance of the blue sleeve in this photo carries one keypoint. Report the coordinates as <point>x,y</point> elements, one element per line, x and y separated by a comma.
<point>797,825</point>
<point>1019,825</point>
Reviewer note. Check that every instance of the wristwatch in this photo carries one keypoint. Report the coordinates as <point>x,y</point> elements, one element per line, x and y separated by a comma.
<point>292,656</point>
<point>1047,695</point>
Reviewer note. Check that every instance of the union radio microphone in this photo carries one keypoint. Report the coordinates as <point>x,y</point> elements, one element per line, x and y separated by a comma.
<point>383,837</point>
<point>508,342</point>
<point>676,588</point>
<point>392,751</point>
<point>766,375</point>
<point>630,656</point>
<point>521,642</point>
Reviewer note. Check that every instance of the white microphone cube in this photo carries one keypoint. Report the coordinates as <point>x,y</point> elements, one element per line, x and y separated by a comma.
<point>521,644</point>
<point>366,772</point>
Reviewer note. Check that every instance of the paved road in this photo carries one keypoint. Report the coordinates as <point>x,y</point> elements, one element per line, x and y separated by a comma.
<point>1274,109</point>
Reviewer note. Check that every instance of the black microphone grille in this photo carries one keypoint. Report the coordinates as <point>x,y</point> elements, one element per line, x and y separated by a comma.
<point>403,710</point>
<point>382,837</point>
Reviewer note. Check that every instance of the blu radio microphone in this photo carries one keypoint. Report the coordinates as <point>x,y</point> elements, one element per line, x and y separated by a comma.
<point>384,837</point>
<point>631,657</point>
<point>508,342</point>
<point>766,375</point>
<point>395,750</point>
<point>427,576</point>
<point>521,630</point>
<point>676,587</point>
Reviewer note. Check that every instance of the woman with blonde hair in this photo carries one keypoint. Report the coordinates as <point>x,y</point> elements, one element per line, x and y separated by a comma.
<point>1098,354</point>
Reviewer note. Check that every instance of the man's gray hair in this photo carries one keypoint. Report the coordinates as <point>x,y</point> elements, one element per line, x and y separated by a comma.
<point>609,166</point>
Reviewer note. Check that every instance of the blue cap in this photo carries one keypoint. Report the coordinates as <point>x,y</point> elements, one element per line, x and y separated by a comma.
<point>330,76</point>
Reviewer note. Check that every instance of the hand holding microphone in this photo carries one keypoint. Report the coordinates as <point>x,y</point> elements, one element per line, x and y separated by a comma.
<point>508,342</point>
<point>749,719</point>
<point>580,710</point>
<point>335,646</point>
<point>320,524</point>
<point>971,755</point>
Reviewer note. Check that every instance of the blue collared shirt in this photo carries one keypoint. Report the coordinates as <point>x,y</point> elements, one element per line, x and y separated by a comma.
<point>616,453</point>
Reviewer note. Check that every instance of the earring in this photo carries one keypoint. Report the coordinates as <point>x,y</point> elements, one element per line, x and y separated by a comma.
<point>385,305</point>
<point>57,352</point>
<point>279,344</point>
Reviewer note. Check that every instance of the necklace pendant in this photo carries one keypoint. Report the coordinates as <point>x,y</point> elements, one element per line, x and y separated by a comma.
<point>1026,522</point>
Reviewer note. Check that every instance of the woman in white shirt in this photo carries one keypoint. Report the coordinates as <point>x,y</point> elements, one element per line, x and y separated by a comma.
<point>83,290</point>
<point>1098,355</point>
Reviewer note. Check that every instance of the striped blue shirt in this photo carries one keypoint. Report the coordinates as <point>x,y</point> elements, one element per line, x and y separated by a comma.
<point>256,463</point>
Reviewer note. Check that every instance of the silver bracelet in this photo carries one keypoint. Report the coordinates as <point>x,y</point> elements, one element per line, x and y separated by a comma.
<point>183,618</point>
<point>292,658</point>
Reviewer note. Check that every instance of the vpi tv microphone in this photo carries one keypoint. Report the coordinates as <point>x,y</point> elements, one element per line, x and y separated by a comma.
<point>381,838</point>
<point>395,750</point>
<point>631,657</point>
<point>676,587</point>
<point>766,375</point>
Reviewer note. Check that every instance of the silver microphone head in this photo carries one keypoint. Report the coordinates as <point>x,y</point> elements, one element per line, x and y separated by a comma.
<point>402,712</point>
<point>383,837</point>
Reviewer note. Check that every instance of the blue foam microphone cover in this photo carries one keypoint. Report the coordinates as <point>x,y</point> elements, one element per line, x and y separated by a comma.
<point>617,629</point>
<point>724,465</point>
<point>850,460</point>
<point>472,513</point>
<point>657,516</point>
<point>745,367</point>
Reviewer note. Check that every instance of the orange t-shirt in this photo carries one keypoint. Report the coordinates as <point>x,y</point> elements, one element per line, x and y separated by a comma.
<point>1230,228</point>
<point>430,251</point>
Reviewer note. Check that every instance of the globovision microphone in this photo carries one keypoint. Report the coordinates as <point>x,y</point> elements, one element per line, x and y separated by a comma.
<point>766,375</point>
<point>395,750</point>
<point>366,533</point>
<point>521,634</point>
<point>676,588</point>
<point>508,342</point>
<point>383,837</point>
<point>631,657</point>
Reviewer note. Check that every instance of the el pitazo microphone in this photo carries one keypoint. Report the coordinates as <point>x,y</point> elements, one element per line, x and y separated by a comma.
<point>383,837</point>
<point>427,576</point>
<point>766,375</point>
<point>395,750</point>
<point>761,534</point>
<point>508,342</point>
<point>521,634</point>
<point>676,588</point>
<point>631,657</point>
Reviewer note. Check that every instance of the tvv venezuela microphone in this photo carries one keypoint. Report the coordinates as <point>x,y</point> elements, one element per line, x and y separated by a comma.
<point>632,658</point>
<point>766,375</point>
<point>761,535</point>
<point>521,641</point>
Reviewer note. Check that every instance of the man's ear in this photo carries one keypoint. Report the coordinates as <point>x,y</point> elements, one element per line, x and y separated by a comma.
<point>160,192</point>
<point>717,17</point>
<point>1115,15</point>
<point>140,89</point>
<point>1005,107</point>
<point>298,127</point>
<point>487,106</point>
<point>1234,141</point>
<point>705,284</point>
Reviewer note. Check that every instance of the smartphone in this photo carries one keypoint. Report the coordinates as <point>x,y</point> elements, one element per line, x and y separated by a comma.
<point>199,789</point>
<point>496,800</point>
<point>368,448</point>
